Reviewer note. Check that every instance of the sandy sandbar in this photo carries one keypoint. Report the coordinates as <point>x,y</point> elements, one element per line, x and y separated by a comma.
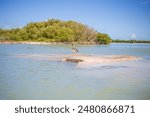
<point>86,59</point>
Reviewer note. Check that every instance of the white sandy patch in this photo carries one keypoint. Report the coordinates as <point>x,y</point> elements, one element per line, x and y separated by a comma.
<point>87,59</point>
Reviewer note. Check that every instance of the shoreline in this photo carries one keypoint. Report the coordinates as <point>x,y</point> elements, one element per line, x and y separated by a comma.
<point>25,42</point>
<point>56,43</point>
<point>44,43</point>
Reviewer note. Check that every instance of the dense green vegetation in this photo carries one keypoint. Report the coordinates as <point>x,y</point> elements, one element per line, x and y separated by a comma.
<point>55,30</point>
<point>130,41</point>
<point>103,38</point>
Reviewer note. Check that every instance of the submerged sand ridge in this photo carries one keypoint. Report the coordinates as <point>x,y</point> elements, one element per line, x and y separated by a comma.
<point>81,59</point>
<point>95,59</point>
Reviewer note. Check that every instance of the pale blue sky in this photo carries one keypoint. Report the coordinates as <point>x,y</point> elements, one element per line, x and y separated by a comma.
<point>121,19</point>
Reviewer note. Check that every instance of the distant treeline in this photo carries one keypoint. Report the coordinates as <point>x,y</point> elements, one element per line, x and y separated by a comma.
<point>130,41</point>
<point>55,30</point>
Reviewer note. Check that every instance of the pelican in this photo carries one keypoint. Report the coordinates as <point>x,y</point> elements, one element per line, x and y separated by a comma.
<point>74,50</point>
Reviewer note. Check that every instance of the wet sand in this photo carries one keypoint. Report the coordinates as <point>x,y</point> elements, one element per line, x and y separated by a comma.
<point>84,59</point>
<point>95,59</point>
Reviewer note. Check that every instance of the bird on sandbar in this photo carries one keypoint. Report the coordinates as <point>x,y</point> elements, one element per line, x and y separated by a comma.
<point>74,50</point>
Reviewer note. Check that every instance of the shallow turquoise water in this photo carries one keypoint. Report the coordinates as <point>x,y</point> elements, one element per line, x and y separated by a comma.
<point>26,78</point>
